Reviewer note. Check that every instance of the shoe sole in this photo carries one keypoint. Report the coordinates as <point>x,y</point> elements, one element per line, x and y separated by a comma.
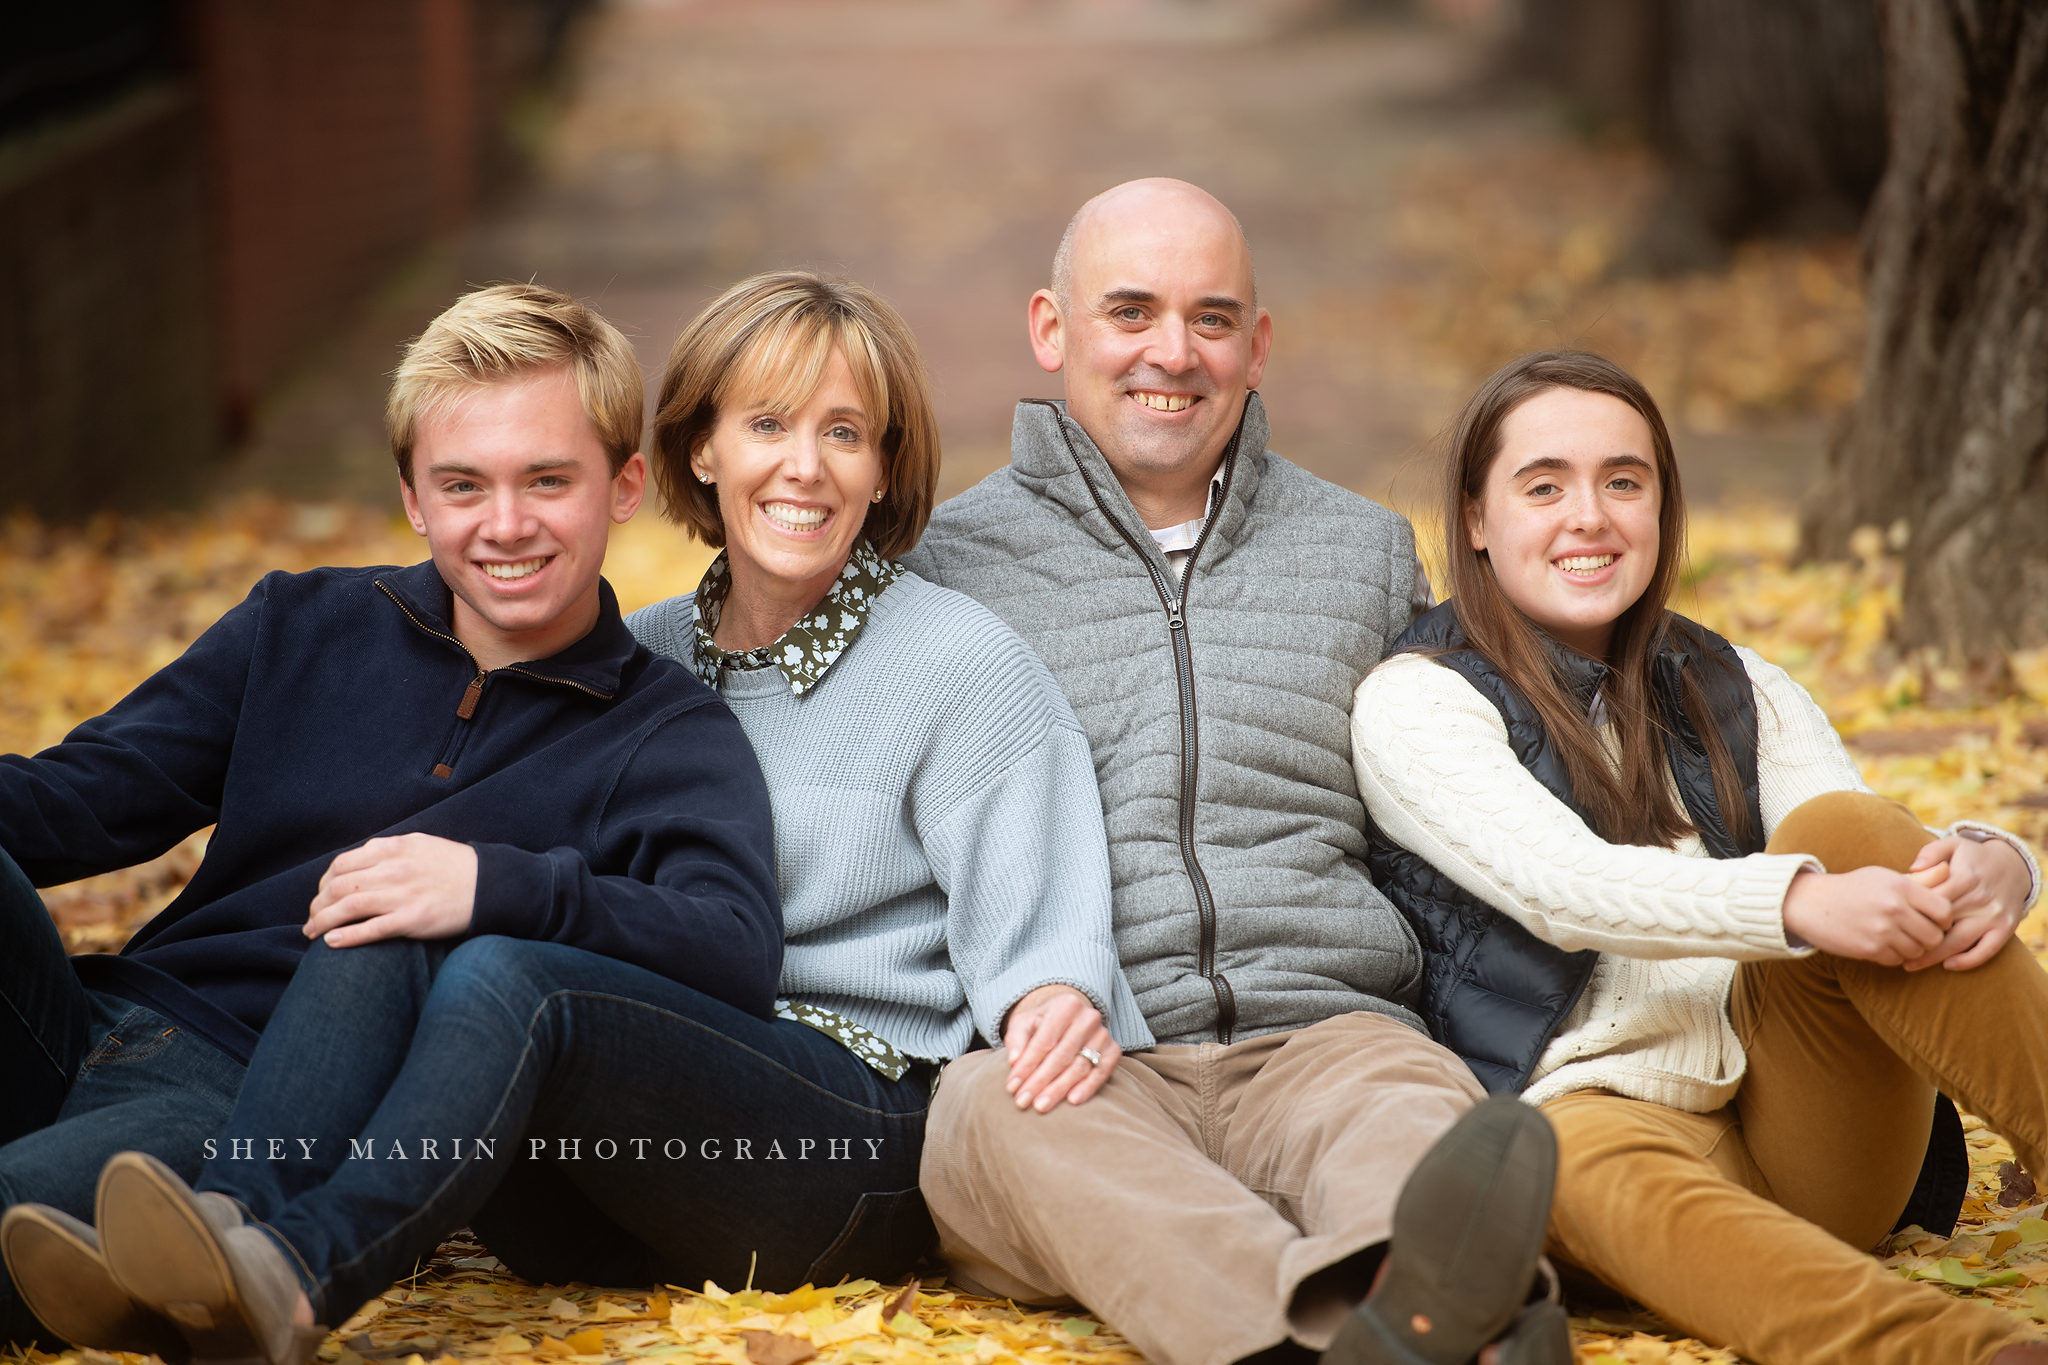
<point>1468,1228</point>
<point>160,1248</point>
<point>63,1280</point>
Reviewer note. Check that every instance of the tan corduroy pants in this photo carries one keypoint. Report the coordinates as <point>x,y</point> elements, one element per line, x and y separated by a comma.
<point>1750,1227</point>
<point>1187,1201</point>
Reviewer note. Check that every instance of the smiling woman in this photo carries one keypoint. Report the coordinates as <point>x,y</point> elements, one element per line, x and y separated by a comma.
<point>1657,900</point>
<point>939,838</point>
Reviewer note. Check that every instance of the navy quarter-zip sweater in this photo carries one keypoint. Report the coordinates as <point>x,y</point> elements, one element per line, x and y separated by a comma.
<point>613,801</point>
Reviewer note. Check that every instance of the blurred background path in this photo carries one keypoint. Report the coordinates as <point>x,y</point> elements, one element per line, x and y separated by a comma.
<point>1416,215</point>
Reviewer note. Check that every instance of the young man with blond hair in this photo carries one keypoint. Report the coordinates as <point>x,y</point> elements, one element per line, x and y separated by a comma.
<point>472,745</point>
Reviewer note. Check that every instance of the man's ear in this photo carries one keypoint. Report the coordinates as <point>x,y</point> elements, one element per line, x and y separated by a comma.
<point>629,485</point>
<point>1048,342</point>
<point>1475,528</point>
<point>411,499</point>
<point>1262,346</point>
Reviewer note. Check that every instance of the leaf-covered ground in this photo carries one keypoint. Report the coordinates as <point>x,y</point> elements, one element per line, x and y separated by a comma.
<point>84,614</point>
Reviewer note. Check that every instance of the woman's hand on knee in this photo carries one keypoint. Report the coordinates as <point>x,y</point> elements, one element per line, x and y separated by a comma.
<point>411,886</point>
<point>1050,1035</point>
<point>1986,887</point>
<point>1872,914</point>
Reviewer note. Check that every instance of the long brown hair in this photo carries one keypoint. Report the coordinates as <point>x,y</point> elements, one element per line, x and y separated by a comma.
<point>1635,804</point>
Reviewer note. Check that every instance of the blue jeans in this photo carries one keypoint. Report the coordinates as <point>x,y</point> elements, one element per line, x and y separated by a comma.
<point>589,1119</point>
<point>84,1075</point>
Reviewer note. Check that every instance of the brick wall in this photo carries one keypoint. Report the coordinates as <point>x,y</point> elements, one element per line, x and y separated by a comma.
<point>107,394</point>
<point>342,137</point>
<point>176,232</point>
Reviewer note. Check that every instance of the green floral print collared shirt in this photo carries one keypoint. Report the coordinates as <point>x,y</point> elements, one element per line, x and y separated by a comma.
<point>811,646</point>
<point>804,654</point>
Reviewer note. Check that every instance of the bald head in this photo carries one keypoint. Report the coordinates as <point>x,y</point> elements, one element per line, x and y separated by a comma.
<point>1135,203</point>
<point>1152,323</point>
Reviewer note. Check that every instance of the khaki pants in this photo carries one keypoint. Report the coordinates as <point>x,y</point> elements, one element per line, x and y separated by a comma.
<point>1749,1227</point>
<point>1189,1198</point>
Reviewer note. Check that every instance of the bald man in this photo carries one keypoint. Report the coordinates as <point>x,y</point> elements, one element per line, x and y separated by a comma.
<point>1210,609</point>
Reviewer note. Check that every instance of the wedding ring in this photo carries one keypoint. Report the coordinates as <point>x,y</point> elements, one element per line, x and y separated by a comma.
<point>1094,1057</point>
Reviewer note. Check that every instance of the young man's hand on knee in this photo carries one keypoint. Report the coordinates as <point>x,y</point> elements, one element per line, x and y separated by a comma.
<point>411,886</point>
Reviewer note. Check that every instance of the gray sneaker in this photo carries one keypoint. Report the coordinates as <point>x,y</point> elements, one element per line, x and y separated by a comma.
<point>229,1289</point>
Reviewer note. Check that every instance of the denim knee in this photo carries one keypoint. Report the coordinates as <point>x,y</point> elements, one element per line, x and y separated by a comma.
<point>494,972</point>
<point>367,966</point>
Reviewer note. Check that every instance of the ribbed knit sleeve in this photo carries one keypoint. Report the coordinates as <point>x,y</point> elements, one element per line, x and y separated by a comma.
<point>1436,771</point>
<point>1007,812</point>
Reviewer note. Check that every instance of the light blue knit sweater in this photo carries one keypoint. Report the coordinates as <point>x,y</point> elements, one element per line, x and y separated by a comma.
<point>938,834</point>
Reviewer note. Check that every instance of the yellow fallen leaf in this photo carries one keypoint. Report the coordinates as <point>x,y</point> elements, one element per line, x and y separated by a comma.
<point>554,1346</point>
<point>904,1325</point>
<point>588,1342</point>
<point>865,1321</point>
<point>2033,1229</point>
<point>1950,1269</point>
<point>2002,1243</point>
<point>510,1343</point>
<point>797,1300</point>
<point>565,1310</point>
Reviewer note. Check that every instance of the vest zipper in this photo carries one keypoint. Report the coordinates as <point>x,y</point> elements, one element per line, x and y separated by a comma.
<point>1190,735</point>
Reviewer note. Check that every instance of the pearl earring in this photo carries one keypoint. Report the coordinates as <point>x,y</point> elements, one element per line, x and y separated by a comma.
<point>878,495</point>
<point>703,478</point>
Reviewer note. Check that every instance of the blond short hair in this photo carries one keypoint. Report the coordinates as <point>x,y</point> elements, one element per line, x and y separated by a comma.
<point>767,340</point>
<point>510,331</point>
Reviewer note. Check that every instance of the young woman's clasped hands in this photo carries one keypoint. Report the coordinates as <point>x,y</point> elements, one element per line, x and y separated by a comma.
<point>1955,908</point>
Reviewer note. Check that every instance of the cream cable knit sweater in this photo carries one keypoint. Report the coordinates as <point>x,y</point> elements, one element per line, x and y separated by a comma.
<point>1436,772</point>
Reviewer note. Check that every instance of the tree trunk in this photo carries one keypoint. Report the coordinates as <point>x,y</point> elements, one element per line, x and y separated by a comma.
<point>1769,113</point>
<point>1950,432</point>
<point>1774,119</point>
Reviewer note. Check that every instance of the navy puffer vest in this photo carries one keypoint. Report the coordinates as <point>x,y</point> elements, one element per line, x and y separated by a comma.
<point>1493,992</point>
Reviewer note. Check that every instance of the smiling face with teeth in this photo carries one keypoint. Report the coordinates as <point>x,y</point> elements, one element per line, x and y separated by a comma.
<point>1158,335</point>
<point>1569,514</point>
<point>515,495</point>
<point>794,485</point>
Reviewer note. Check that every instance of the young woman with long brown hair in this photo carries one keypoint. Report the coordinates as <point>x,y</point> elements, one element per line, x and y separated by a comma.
<point>1659,902</point>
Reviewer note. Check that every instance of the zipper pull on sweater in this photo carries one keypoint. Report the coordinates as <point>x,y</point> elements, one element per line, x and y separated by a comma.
<point>470,696</point>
